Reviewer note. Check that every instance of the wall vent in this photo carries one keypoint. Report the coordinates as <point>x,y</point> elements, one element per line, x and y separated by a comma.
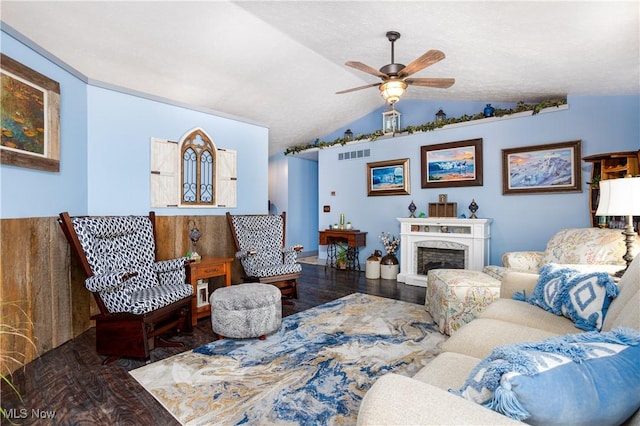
<point>353,155</point>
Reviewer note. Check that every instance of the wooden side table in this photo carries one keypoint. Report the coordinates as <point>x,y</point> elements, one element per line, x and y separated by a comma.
<point>208,267</point>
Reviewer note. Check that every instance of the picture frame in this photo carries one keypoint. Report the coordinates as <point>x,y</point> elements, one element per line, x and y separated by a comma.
<point>452,164</point>
<point>202,289</point>
<point>30,115</point>
<point>538,169</point>
<point>388,177</point>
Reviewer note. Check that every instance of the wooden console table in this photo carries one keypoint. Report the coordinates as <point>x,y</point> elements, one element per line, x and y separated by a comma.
<point>206,268</point>
<point>354,240</point>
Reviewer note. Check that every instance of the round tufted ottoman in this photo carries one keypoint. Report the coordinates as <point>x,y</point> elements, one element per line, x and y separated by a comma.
<point>246,310</point>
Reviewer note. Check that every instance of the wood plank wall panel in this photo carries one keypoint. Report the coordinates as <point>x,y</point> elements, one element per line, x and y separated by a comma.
<point>40,277</point>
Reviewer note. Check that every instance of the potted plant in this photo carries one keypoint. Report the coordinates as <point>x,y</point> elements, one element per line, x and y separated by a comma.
<point>341,256</point>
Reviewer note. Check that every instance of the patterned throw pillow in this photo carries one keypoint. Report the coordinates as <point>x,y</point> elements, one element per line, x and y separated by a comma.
<point>586,378</point>
<point>548,290</point>
<point>586,299</point>
<point>583,297</point>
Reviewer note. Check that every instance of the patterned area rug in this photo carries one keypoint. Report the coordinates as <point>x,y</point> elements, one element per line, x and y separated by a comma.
<point>314,370</point>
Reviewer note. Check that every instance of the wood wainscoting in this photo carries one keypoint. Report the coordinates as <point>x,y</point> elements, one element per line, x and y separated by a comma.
<point>42,289</point>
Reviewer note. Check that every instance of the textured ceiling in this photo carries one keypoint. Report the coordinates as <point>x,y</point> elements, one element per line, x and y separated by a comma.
<point>280,63</point>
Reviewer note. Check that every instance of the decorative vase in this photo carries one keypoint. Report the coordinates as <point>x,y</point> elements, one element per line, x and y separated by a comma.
<point>489,110</point>
<point>372,268</point>
<point>389,267</point>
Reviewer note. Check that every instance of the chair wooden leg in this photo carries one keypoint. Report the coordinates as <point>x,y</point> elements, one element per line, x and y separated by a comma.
<point>164,343</point>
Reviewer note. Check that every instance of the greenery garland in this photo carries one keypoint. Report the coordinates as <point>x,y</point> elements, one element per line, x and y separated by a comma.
<point>432,125</point>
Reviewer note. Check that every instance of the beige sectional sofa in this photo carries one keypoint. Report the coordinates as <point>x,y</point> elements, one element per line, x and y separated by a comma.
<point>424,398</point>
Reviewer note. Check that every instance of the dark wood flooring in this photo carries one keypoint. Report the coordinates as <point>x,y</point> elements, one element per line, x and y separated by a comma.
<point>71,385</point>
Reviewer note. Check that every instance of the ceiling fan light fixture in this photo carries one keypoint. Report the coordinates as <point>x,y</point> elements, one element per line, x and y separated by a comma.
<point>392,90</point>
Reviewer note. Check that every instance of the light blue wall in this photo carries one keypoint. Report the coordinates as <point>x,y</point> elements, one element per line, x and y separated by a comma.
<point>105,150</point>
<point>521,222</point>
<point>293,187</point>
<point>303,196</point>
<point>120,128</point>
<point>35,193</point>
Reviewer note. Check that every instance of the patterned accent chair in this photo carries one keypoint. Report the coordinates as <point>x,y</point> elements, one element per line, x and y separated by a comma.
<point>260,245</point>
<point>456,296</point>
<point>139,298</point>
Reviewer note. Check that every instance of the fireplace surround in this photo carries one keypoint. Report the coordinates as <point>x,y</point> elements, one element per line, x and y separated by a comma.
<point>441,242</point>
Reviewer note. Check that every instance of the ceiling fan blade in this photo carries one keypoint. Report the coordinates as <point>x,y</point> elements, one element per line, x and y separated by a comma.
<point>365,68</point>
<point>441,83</point>
<point>358,88</point>
<point>429,58</point>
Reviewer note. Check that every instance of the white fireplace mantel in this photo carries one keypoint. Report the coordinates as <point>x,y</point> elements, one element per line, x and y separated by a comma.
<point>471,235</point>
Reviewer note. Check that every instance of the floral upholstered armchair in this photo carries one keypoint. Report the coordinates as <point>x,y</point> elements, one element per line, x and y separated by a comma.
<point>583,248</point>
<point>456,296</point>
<point>260,245</point>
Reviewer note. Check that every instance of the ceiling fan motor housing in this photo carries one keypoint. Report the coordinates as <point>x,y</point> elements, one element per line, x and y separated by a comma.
<point>392,69</point>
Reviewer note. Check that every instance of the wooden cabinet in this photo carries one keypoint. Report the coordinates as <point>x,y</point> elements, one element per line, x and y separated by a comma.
<point>611,165</point>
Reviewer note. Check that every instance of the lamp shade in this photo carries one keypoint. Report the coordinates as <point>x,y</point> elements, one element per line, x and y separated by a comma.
<point>619,197</point>
<point>392,90</point>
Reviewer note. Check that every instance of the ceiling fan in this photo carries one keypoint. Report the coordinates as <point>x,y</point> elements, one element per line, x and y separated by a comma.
<point>394,76</point>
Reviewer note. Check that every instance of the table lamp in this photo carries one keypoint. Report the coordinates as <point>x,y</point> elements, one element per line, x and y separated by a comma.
<point>621,197</point>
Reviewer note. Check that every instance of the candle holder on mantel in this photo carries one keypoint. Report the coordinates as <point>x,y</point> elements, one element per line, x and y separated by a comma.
<point>473,208</point>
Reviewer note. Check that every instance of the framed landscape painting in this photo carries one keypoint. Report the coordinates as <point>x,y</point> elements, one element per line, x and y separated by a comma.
<point>30,115</point>
<point>388,177</point>
<point>452,164</point>
<point>542,168</point>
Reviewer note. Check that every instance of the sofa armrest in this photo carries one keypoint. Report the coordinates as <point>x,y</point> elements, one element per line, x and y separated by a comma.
<point>514,282</point>
<point>523,260</point>
<point>400,400</point>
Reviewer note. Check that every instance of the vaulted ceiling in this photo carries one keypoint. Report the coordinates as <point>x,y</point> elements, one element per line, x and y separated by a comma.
<point>280,63</point>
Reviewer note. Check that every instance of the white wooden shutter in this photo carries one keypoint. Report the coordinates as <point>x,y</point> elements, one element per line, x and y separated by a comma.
<point>165,173</point>
<point>226,178</point>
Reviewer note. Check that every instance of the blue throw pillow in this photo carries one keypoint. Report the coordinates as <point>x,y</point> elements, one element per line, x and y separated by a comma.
<point>548,291</point>
<point>588,379</point>
<point>583,297</point>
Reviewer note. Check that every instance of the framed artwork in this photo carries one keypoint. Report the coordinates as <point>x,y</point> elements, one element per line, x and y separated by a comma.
<point>30,115</point>
<point>452,164</point>
<point>388,177</point>
<point>542,168</point>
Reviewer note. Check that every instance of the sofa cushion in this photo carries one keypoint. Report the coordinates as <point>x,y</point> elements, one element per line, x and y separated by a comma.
<point>623,311</point>
<point>582,297</point>
<point>482,335</point>
<point>398,400</point>
<point>447,370</point>
<point>587,378</point>
<point>523,313</point>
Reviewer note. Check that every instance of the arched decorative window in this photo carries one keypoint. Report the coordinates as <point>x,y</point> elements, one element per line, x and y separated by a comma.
<point>193,172</point>
<point>198,168</point>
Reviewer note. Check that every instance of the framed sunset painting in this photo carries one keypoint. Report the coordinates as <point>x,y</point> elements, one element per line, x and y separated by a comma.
<point>542,168</point>
<point>452,164</point>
